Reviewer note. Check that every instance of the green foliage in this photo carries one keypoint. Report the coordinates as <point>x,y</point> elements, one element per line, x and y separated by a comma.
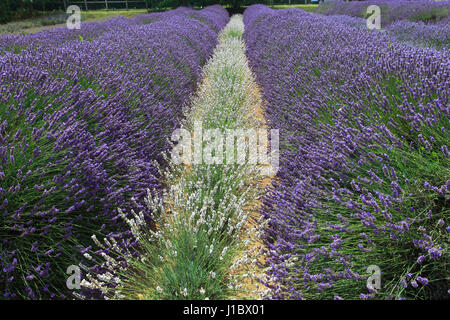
<point>305,7</point>
<point>434,14</point>
<point>412,167</point>
<point>5,12</point>
<point>190,250</point>
<point>36,170</point>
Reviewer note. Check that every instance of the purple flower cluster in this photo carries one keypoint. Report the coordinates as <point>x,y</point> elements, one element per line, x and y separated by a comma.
<point>363,179</point>
<point>391,10</point>
<point>212,16</point>
<point>84,115</point>
<point>435,35</point>
<point>421,34</point>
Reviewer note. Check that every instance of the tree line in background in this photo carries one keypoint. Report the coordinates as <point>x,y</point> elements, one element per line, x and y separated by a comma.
<point>23,9</point>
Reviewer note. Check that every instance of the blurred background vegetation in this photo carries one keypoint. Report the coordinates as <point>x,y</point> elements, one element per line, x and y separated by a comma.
<point>13,10</point>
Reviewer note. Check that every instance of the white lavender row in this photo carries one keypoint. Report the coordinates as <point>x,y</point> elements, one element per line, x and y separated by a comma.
<point>202,228</point>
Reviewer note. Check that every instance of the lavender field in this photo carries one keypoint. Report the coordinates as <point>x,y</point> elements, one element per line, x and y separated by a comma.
<point>193,155</point>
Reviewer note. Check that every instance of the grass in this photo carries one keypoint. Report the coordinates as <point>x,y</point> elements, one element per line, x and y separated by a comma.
<point>59,19</point>
<point>306,7</point>
<point>106,14</point>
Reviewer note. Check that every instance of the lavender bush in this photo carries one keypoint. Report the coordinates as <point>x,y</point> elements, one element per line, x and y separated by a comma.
<point>391,10</point>
<point>436,36</point>
<point>212,16</point>
<point>364,165</point>
<point>422,34</point>
<point>83,118</point>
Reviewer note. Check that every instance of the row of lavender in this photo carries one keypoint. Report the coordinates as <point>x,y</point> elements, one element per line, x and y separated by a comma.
<point>81,124</point>
<point>364,165</point>
<point>391,10</point>
<point>400,20</point>
<point>420,34</point>
<point>92,30</point>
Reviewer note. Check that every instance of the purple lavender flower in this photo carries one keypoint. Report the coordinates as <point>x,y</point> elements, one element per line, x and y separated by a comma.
<point>93,133</point>
<point>422,280</point>
<point>340,168</point>
<point>420,259</point>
